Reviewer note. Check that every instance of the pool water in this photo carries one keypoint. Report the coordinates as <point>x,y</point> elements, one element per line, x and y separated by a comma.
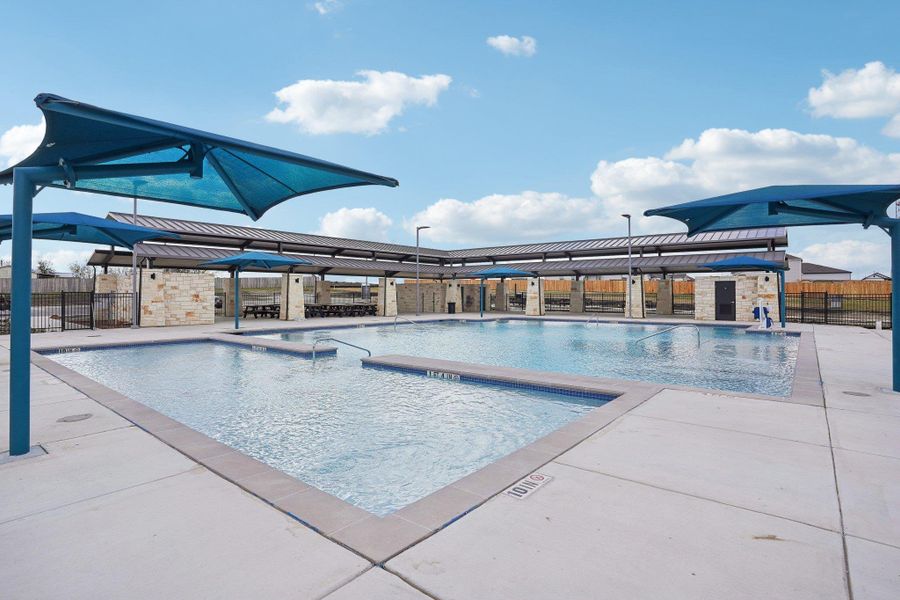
<point>727,359</point>
<point>378,439</point>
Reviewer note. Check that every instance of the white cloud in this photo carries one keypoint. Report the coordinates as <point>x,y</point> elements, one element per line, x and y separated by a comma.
<point>499,218</point>
<point>18,142</point>
<point>720,161</point>
<point>873,91</point>
<point>356,223</point>
<point>323,7</point>
<point>859,256</point>
<point>323,106</point>
<point>514,46</point>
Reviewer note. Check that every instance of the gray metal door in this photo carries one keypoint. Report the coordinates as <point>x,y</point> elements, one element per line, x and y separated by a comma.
<point>725,304</point>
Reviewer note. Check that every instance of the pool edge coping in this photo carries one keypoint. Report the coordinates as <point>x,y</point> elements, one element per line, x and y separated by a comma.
<point>378,539</point>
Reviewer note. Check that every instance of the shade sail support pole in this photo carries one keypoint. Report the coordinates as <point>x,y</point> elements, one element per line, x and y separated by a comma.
<point>237,300</point>
<point>895,303</point>
<point>20,315</point>
<point>782,297</point>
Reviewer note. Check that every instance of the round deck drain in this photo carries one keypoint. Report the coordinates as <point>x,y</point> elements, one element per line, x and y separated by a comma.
<point>75,418</point>
<point>849,393</point>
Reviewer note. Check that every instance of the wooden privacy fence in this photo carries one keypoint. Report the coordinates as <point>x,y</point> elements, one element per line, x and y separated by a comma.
<point>53,285</point>
<point>839,287</point>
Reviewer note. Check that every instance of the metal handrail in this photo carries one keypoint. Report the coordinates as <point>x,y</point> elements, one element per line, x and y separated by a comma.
<point>405,319</point>
<point>668,329</point>
<point>331,339</point>
<point>594,318</point>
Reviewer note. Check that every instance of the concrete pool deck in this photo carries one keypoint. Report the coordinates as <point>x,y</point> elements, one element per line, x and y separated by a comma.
<point>687,494</point>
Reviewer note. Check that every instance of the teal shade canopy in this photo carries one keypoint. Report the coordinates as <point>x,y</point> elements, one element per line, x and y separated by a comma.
<point>499,272</point>
<point>256,260</point>
<point>744,263</point>
<point>77,227</point>
<point>785,206</point>
<point>225,173</point>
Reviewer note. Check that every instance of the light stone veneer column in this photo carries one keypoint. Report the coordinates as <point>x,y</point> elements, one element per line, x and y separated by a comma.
<point>387,297</point>
<point>153,298</point>
<point>453,295</point>
<point>228,302</point>
<point>665,297</point>
<point>323,292</point>
<point>768,291</point>
<point>705,298</point>
<point>637,294</point>
<point>534,298</point>
<point>292,301</point>
<point>576,296</point>
<point>499,297</point>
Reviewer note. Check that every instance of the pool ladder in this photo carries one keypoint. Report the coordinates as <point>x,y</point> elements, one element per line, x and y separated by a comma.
<point>668,329</point>
<point>331,339</point>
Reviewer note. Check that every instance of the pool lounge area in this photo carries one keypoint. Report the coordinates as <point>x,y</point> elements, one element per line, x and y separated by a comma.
<point>797,488</point>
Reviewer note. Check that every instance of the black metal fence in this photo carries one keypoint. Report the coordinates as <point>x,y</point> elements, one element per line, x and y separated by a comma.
<point>605,302</point>
<point>650,302</point>
<point>515,302</point>
<point>839,309</point>
<point>683,304</point>
<point>557,301</point>
<point>259,298</point>
<point>64,311</point>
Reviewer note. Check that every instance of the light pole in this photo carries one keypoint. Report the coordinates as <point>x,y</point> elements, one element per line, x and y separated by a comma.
<point>418,300</point>
<point>630,306</point>
<point>135,306</point>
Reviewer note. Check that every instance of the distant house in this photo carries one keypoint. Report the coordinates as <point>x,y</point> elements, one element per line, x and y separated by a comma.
<point>876,276</point>
<point>6,272</point>
<point>800,270</point>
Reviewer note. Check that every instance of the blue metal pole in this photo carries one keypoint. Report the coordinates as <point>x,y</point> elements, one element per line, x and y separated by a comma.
<point>20,314</point>
<point>782,308</point>
<point>895,302</point>
<point>237,300</point>
<point>481,299</point>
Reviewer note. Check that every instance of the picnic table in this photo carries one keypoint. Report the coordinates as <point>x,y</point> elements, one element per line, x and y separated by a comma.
<point>262,310</point>
<point>340,310</point>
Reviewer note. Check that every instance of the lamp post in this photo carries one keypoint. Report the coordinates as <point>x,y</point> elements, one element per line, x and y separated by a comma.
<point>418,300</point>
<point>630,306</point>
<point>135,307</point>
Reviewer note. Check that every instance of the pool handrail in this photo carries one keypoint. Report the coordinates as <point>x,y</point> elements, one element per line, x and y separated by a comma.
<point>405,319</point>
<point>668,329</point>
<point>331,339</point>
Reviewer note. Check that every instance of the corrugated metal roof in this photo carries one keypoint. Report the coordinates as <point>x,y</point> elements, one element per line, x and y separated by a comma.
<point>213,234</point>
<point>172,255</point>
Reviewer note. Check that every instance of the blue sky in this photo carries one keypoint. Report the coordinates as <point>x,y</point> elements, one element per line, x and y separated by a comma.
<point>512,141</point>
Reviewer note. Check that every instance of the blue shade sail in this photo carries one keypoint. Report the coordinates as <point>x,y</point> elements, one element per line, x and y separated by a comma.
<point>256,260</point>
<point>228,174</point>
<point>77,227</point>
<point>745,263</point>
<point>499,272</point>
<point>785,205</point>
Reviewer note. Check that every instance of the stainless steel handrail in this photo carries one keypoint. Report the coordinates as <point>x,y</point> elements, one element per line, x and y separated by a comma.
<point>405,319</point>
<point>668,329</point>
<point>331,339</point>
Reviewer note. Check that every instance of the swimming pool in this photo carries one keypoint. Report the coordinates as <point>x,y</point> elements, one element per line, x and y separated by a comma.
<point>727,359</point>
<point>377,439</point>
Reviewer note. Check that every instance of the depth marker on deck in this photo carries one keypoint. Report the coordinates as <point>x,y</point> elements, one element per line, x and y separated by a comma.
<point>524,487</point>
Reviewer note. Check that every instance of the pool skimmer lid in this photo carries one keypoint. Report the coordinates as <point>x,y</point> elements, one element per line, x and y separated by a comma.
<point>523,488</point>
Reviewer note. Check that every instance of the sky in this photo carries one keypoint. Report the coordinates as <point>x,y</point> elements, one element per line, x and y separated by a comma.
<point>503,121</point>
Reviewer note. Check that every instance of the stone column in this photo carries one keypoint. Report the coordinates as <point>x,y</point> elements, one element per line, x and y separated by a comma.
<point>387,297</point>
<point>229,297</point>
<point>153,298</point>
<point>665,298</point>
<point>453,295</point>
<point>767,288</point>
<point>323,292</point>
<point>500,297</point>
<point>637,294</point>
<point>534,298</point>
<point>576,296</point>
<point>705,298</point>
<point>292,304</point>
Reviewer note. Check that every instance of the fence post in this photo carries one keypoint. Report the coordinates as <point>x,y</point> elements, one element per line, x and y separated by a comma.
<point>91,300</point>
<point>826,308</point>
<point>802,306</point>
<point>63,310</point>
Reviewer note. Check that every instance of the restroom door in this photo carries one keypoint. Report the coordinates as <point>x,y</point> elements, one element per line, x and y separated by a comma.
<point>725,306</point>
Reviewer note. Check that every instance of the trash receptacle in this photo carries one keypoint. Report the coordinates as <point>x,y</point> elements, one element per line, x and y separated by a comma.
<point>451,308</point>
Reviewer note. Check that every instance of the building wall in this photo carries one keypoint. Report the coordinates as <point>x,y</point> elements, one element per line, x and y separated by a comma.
<point>168,298</point>
<point>795,267</point>
<point>826,277</point>
<point>434,297</point>
<point>748,289</point>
